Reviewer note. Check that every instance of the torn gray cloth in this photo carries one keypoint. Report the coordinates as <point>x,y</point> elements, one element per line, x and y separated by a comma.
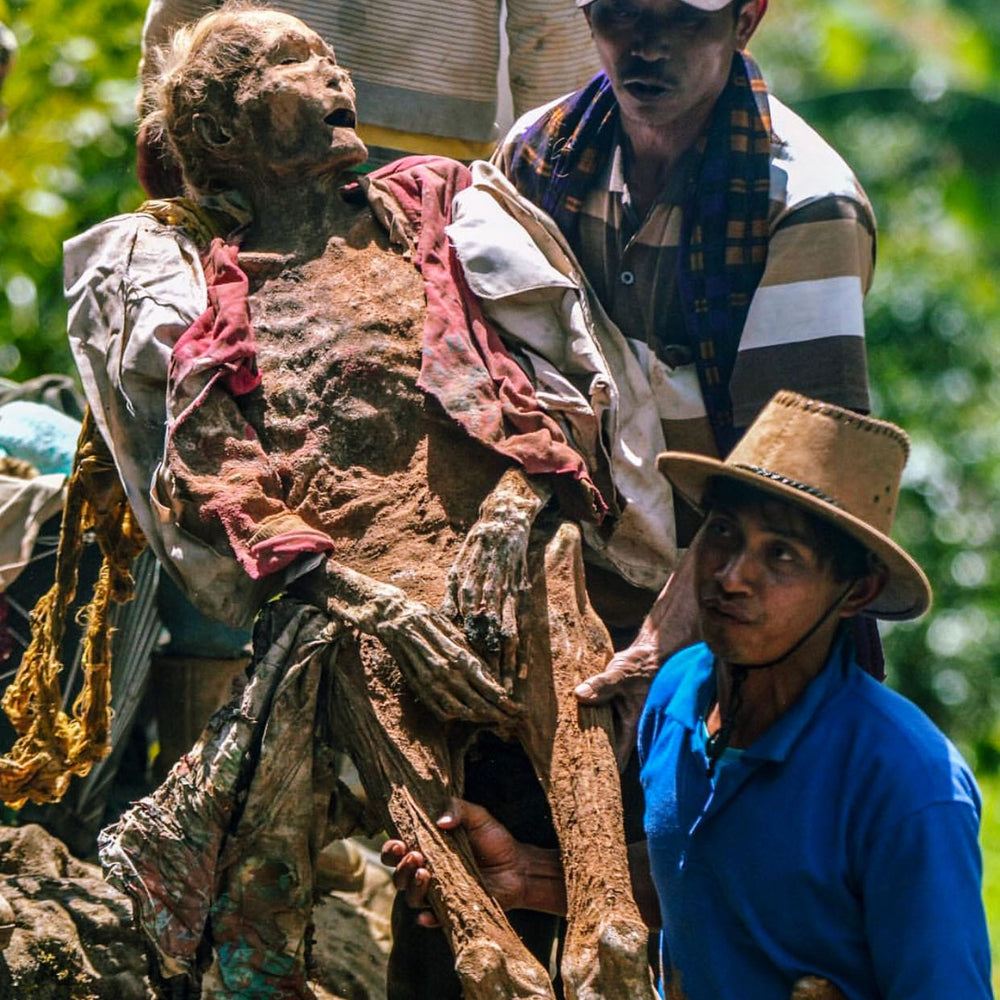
<point>228,840</point>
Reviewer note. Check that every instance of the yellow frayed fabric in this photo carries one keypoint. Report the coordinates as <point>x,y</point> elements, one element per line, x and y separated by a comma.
<point>17,467</point>
<point>52,746</point>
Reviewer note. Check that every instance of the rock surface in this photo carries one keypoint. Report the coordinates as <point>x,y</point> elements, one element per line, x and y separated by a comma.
<point>74,940</point>
<point>73,936</point>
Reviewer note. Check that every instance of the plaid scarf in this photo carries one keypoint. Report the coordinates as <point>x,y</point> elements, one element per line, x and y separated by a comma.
<point>724,231</point>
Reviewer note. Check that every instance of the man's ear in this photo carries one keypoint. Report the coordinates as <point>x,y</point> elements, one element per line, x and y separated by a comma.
<point>747,19</point>
<point>863,591</point>
<point>210,131</point>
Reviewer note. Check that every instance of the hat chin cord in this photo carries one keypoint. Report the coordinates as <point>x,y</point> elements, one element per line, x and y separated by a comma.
<point>716,744</point>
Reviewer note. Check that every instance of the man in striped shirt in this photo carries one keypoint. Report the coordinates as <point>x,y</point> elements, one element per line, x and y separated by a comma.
<point>731,245</point>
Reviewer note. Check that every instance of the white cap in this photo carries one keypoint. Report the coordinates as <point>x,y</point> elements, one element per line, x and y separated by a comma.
<point>700,4</point>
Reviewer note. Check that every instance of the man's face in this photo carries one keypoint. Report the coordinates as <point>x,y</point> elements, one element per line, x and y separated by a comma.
<point>667,61</point>
<point>296,110</point>
<point>761,583</point>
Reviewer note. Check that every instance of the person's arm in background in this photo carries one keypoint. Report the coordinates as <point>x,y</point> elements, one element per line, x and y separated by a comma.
<point>551,51</point>
<point>670,626</point>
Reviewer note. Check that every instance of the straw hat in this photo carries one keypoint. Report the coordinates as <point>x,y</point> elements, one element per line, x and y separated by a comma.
<point>833,463</point>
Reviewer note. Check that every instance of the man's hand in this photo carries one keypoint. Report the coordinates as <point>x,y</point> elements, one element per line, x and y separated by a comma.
<point>491,567</point>
<point>625,683</point>
<point>813,988</point>
<point>440,669</point>
<point>516,875</point>
<point>411,877</point>
<point>671,625</point>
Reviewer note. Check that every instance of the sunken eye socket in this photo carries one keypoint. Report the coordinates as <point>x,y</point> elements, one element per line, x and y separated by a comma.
<point>290,55</point>
<point>290,51</point>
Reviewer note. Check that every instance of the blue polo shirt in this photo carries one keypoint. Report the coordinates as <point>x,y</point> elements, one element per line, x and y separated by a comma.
<point>842,843</point>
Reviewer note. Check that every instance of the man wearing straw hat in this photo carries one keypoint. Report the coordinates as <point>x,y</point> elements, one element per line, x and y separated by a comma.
<point>801,819</point>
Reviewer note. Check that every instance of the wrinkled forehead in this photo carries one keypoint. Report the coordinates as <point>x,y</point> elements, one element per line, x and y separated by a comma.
<point>278,30</point>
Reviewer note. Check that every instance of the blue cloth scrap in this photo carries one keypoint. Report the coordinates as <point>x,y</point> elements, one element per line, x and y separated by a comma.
<point>193,633</point>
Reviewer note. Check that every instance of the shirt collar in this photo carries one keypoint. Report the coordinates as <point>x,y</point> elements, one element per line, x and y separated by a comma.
<point>675,190</point>
<point>616,169</point>
<point>777,742</point>
<point>697,688</point>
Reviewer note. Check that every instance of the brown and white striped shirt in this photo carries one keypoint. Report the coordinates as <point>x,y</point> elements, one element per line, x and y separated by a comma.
<point>805,327</point>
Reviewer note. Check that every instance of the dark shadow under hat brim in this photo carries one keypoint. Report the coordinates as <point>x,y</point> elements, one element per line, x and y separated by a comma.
<point>907,593</point>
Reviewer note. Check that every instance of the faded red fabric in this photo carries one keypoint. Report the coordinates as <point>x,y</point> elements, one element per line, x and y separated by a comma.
<point>465,365</point>
<point>221,338</point>
<point>218,350</point>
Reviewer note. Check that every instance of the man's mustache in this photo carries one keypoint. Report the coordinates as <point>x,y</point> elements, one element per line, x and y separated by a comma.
<point>635,70</point>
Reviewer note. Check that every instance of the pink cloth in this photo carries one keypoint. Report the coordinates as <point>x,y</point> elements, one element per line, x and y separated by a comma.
<point>221,338</point>
<point>218,350</point>
<point>465,365</point>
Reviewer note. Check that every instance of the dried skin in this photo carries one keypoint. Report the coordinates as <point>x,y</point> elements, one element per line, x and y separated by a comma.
<point>409,766</point>
<point>365,456</point>
<point>492,568</point>
<point>570,746</point>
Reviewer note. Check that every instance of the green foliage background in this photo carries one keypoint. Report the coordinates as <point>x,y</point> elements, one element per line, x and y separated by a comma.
<point>910,94</point>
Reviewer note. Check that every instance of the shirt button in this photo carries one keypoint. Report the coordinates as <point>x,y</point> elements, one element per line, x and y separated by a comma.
<point>627,278</point>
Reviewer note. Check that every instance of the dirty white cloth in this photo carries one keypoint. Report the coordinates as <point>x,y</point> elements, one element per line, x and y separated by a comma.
<point>25,505</point>
<point>133,286</point>
<point>585,372</point>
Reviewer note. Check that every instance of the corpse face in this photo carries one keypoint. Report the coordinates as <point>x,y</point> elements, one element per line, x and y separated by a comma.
<point>296,111</point>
